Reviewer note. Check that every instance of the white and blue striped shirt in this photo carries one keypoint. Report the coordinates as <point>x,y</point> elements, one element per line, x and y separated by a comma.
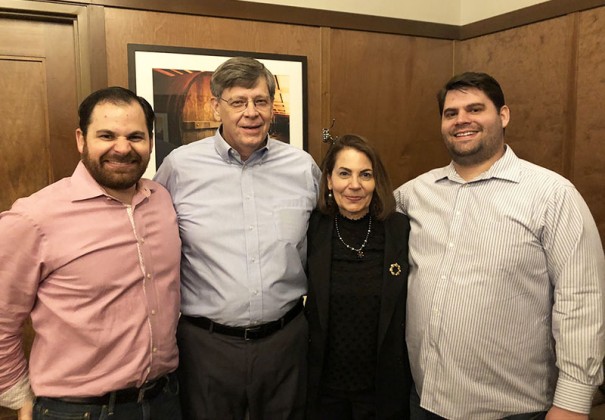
<point>505,310</point>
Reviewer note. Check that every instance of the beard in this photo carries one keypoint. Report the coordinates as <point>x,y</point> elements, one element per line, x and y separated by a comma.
<point>478,153</point>
<point>115,179</point>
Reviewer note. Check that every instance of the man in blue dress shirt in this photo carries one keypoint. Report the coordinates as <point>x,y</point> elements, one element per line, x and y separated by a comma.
<point>243,201</point>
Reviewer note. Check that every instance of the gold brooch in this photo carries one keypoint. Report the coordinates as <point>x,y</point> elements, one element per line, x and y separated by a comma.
<point>395,269</point>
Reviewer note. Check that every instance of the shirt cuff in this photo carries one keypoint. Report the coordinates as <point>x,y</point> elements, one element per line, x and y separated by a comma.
<point>16,396</point>
<point>574,396</point>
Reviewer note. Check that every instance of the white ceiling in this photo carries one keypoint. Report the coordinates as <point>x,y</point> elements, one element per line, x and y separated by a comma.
<point>452,12</point>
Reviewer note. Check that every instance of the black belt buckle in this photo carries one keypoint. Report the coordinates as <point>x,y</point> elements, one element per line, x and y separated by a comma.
<point>251,331</point>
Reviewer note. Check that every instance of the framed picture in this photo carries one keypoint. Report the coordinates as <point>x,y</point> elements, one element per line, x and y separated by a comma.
<point>176,82</point>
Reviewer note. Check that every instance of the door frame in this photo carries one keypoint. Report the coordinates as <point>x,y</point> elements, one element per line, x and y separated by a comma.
<point>88,24</point>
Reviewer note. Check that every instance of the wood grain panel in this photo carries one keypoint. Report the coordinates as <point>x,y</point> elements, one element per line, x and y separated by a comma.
<point>127,26</point>
<point>59,44</point>
<point>52,43</point>
<point>24,161</point>
<point>589,167</point>
<point>383,87</point>
<point>533,65</point>
<point>45,52</point>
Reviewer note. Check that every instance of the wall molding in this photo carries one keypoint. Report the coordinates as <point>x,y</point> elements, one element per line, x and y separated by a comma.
<point>532,14</point>
<point>263,12</point>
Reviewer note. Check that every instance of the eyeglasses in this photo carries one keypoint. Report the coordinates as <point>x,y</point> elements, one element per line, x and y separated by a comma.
<point>241,104</point>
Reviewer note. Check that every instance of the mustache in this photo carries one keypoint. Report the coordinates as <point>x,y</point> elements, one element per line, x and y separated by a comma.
<point>132,156</point>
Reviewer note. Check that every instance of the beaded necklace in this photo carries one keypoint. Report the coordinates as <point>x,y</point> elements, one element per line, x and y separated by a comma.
<point>359,250</point>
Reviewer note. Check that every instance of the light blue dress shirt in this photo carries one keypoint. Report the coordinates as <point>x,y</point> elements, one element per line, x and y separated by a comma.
<point>243,226</point>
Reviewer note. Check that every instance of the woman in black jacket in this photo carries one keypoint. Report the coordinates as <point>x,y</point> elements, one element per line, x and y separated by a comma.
<point>357,269</point>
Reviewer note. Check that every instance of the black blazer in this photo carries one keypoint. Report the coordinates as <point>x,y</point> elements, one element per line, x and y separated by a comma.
<point>393,377</point>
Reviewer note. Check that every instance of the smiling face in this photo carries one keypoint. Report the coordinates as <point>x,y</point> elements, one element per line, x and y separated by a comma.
<point>116,148</point>
<point>472,127</point>
<point>245,131</point>
<point>352,183</point>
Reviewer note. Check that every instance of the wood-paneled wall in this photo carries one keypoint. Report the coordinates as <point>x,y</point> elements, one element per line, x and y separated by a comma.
<point>372,84</point>
<point>128,26</point>
<point>552,76</point>
<point>383,86</point>
<point>588,154</point>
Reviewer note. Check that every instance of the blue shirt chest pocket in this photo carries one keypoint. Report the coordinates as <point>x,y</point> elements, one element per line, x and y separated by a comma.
<point>291,219</point>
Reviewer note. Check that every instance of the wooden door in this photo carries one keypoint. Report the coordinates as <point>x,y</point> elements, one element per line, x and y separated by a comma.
<point>38,112</point>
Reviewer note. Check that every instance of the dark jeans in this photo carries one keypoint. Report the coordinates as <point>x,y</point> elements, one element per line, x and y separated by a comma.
<point>419,413</point>
<point>164,406</point>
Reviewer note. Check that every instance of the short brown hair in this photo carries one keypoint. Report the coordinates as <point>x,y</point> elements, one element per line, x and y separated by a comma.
<point>383,201</point>
<point>473,80</point>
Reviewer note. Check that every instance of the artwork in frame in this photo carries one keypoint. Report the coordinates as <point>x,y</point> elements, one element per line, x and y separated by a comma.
<point>176,82</point>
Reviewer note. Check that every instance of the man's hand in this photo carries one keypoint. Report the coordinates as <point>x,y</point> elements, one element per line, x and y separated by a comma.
<point>25,412</point>
<point>556,413</point>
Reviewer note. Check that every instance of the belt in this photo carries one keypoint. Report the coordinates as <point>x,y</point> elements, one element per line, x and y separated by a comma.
<point>148,391</point>
<point>247,333</point>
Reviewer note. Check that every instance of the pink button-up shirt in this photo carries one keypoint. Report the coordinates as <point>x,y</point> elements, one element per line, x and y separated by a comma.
<point>101,281</point>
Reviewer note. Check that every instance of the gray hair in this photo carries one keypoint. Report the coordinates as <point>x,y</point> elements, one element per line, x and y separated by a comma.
<point>243,72</point>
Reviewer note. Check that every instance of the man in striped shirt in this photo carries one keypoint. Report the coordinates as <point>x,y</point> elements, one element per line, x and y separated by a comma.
<point>505,315</point>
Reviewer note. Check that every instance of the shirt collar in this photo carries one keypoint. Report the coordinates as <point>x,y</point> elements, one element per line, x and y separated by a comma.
<point>230,155</point>
<point>508,167</point>
<point>84,186</point>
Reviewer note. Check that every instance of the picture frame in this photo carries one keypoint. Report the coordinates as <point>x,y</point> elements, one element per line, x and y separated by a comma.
<point>176,82</point>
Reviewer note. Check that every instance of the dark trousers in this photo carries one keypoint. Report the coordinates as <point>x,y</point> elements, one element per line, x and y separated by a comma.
<point>164,406</point>
<point>341,405</point>
<point>419,413</point>
<point>224,378</point>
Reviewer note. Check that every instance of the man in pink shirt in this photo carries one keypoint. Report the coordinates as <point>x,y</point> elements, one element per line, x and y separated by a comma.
<point>94,259</point>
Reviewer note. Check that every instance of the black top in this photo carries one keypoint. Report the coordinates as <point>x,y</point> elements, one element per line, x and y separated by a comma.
<point>392,378</point>
<point>355,289</point>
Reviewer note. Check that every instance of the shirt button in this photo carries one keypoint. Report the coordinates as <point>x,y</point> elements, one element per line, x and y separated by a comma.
<point>148,275</point>
<point>451,244</point>
<point>153,312</point>
<point>142,240</point>
<point>251,227</point>
<point>155,349</point>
